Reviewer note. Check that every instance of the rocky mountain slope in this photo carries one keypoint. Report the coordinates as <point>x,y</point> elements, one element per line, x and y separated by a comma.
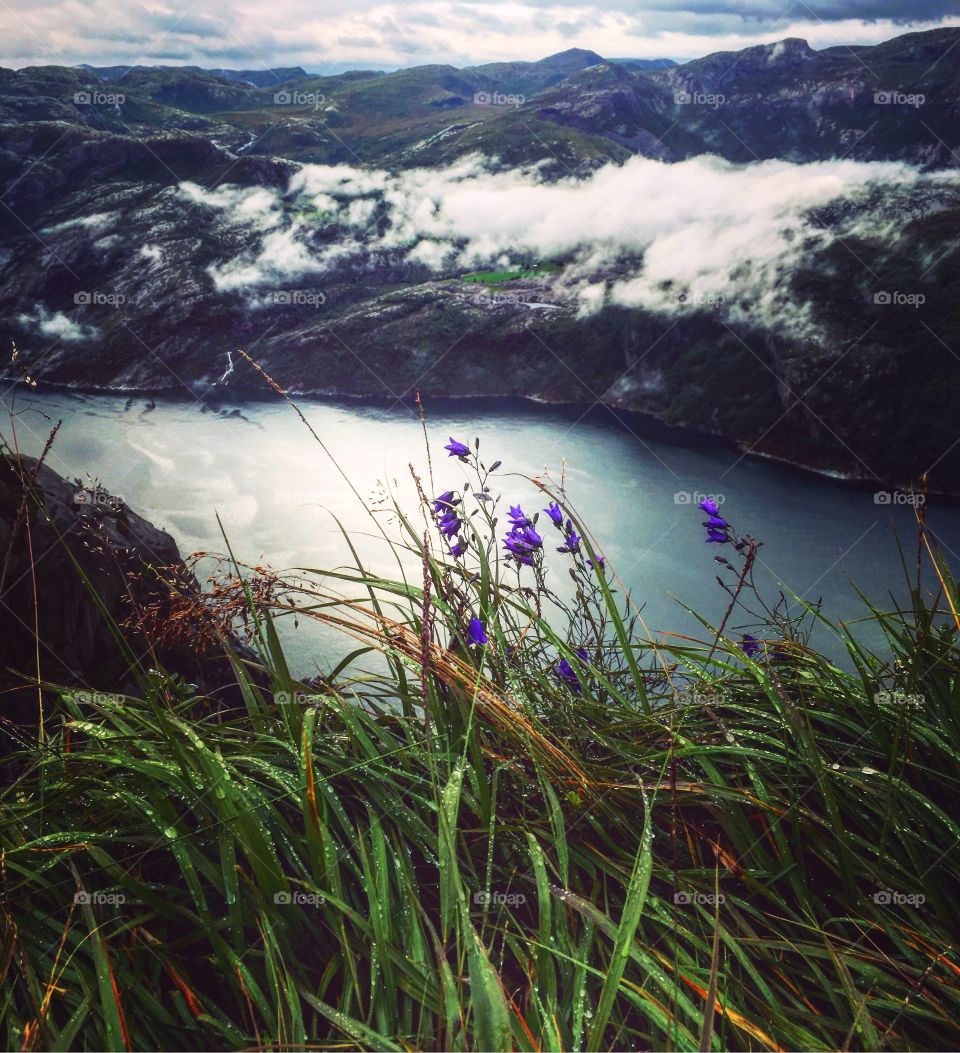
<point>103,567</point>
<point>113,275</point>
<point>900,99</point>
<point>257,78</point>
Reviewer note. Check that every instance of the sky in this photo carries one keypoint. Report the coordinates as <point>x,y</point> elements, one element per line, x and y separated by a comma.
<point>329,36</point>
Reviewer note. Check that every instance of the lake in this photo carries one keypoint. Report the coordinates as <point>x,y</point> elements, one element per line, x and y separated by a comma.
<point>254,464</point>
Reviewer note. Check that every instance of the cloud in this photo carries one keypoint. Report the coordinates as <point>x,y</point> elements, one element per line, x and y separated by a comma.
<point>96,223</point>
<point>258,208</point>
<point>324,36</point>
<point>659,237</point>
<point>828,10</point>
<point>57,325</point>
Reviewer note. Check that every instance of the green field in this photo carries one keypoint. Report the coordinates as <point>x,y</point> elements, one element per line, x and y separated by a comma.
<point>501,277</point>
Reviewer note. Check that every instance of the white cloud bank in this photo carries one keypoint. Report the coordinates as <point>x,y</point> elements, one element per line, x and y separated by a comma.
<point>645,234</point>
<point>326,35</point>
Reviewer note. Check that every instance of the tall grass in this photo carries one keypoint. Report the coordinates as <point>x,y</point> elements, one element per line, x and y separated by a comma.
<point>680,845</point>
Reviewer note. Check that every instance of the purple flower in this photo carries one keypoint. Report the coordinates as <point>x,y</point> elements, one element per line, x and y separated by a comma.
<point>571,541</point>
<point>445,502</point>
<point>449,524</point>
<point>459,548</point>
<point>553,511</point>
<point>564,671</point>
<point>521,542</point>
<point>476,632</point>
<point>518,518</point>
<point>521,556</point>
<point>718,529</point>
<point>457,449</point>
<point>750,645</point>
<point>598,561</point>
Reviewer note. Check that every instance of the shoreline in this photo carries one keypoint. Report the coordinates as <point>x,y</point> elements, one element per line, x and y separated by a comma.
<point>649,425</point>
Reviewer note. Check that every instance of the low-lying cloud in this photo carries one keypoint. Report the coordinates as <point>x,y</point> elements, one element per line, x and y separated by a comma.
<point>55,325</point>
<point>649,235</point>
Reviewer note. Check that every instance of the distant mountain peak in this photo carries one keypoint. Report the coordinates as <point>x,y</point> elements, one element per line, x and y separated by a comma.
<point>789,46</point>
<point>579,56</point>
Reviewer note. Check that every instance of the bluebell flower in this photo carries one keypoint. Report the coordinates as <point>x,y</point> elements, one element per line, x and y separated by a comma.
<point>449,524</point>
<point>457,449</point>
<point>718,529</point>
<point>517,517</point>
<point>751,646</point>
<point>572,539</point>
<point>459,548</point>
<point>565,674</point>
<point>476,632</point>
<point>554,512</point>
<point>445,502</point>
<point>521,543</point>
<point>598,561</point>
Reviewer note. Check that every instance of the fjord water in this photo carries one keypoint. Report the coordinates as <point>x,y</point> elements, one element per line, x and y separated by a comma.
<point>181,465</point>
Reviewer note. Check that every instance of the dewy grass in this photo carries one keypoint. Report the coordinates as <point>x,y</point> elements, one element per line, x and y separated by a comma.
<point>530,827</point>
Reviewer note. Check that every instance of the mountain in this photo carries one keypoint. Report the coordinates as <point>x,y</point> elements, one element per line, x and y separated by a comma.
<point>639,64</point>
<point>895,101</point>
<point>527,78</point>
<point>159,220</point>
<point>257,78</point>
<point>898,100</point>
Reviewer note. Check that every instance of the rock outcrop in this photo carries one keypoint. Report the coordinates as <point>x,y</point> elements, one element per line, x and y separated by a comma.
<point>76,567</point>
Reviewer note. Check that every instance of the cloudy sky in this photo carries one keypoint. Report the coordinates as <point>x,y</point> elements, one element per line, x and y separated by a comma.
<point>326,36</point>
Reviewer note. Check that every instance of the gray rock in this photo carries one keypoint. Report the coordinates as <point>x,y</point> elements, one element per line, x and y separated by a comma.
<point>72,573</point>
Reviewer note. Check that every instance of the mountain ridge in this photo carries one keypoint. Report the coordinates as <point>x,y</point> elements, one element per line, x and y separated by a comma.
<point>94,187</point>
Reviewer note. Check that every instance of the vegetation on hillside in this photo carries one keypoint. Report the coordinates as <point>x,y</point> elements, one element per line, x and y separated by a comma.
<point>508,820</point>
